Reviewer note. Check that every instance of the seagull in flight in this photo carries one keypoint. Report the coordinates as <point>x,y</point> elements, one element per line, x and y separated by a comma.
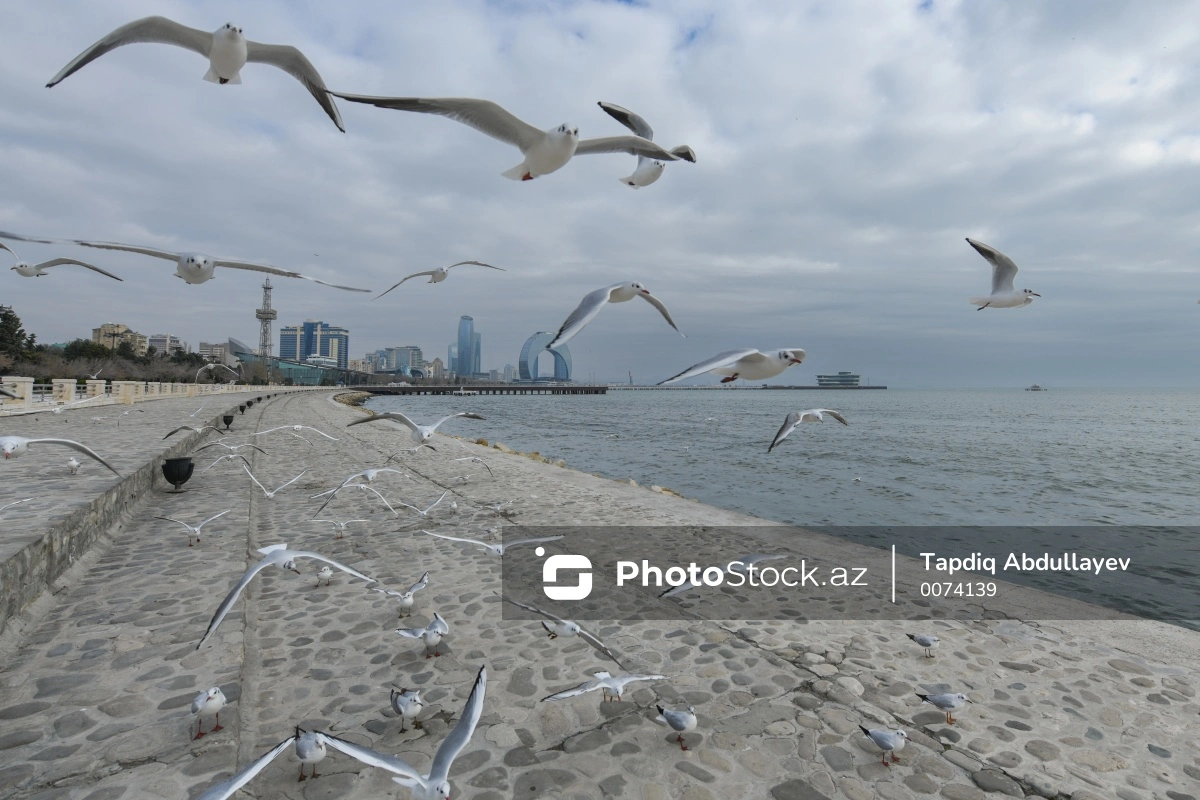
<point>1004,270</point>
<point>201,429</point>
<point>271,494</point>
<point>648,170</point>
<point>274,555</point>
<point>339,528</point>
<point>544,151</point>
<point>495,549</point>
<point>231,447</point>
<point>405,598</point>
<point>423,433</point>
<point>27,270</point>
<point>410,450</point>
<point>438,275</point>
<point>475,460</point>
<point>557,626</point>
<point>17,446</point>
<point>228,457</point>
<point>207,367</point>
<point>362,487</point>
<point>751,365</point>
<point>592,302</point>
<point>796,417</point>
<point>226,49</point>
<point>15,503</point>
<point>193,268</point>
<point>295,429</point>
<point>195,528</point>
<point>425,512</point>
<point>368,474</point>
<point>612,687</point>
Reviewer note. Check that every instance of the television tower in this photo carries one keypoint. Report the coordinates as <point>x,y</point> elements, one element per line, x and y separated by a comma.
<point>265,316</point>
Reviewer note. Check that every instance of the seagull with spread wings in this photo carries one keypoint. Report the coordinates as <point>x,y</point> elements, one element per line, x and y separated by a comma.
<point>648,169</point>
<point>438,275</point>
<point>195,529</point>
<point>27,270</point>
<point>612,687</point>
<point>557,626</point>
<point>17,446</point>
<point>404,598</point>
<point>796,417</point>
<point>495,549</point>
<point>423,433</point>
<point>748,364</point>
<point>592,302</point>
<point>271,493</point>
<point>1004,271</point>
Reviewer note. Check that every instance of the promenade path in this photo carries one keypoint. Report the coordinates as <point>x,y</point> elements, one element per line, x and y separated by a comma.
<point>96,679</point>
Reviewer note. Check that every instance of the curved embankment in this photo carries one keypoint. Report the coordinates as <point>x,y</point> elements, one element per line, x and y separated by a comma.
<point>95,695</point>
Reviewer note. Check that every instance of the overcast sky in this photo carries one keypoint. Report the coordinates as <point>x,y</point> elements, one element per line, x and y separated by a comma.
<point>845,149</point>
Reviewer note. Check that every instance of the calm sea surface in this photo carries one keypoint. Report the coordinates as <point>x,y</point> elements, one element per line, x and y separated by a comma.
<point>1000,457</point>
<point>987,460</point>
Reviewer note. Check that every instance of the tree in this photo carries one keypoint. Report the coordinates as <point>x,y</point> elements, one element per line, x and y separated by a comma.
<point>14,343</point>
<point>84,349</point>
<point>125,350</point>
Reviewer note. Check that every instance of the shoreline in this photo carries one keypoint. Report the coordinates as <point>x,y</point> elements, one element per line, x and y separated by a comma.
<point>97,685</point>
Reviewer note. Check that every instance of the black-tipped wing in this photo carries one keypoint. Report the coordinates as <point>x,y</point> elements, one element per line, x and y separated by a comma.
<point>87,451</point>
<point>395,416</point>
<point>584,313</point>
<point>458,738</point>
<point>467,414</point>
<point>226,789</point>
<point>294,63</point>
<point>789,425</point>
<point>629,119</point>
<point>482,115</point>
<point>231,598</point>
<point>1004,270</point>
<point>369,757</point>
<point>331,562</point>
<point>633,145</point>
<point>662,309</point>
<point>726,359</point>
<point>159,30</point>
<point>56,262</point>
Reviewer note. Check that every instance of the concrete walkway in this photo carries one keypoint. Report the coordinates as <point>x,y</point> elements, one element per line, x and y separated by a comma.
<point>95,686</point>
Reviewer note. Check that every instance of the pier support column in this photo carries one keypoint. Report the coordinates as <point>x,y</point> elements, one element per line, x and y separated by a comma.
<point>64,390</point>
<point>22,388</point>
<point>96,388</point>
<point>124,391</point>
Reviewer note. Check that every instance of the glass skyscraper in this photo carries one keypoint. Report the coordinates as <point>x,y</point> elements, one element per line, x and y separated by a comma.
<point>465,361</point>
<point>315,338</point>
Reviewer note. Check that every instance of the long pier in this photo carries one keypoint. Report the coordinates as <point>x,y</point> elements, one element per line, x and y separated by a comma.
<point>481,389</point>
<point>732,388</point>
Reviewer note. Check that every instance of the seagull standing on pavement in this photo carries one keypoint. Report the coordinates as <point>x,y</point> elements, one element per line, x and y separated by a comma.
<point>679,721</point>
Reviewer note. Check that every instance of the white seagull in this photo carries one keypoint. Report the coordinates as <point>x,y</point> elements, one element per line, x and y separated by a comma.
<point>611,686</point>
<point>271,494</point>
<point>1004,270</point>
<point>948,703</point>
<point>431,634</point>
<point>423,433</point>
<point>796,417</point>
<point>325,573</point>
<point>408,705</point>
<point>679,721</point>
<point>750,365</point>
<point>410,450</point>
<point>405,598</point>
<point>648,169</point>
<point>887,741</point>
<point>17,446</point>
<point>339,528</point>
<point>925,640</point>
<point>193,429</point>
<point>740,566</point>
<point>544,151</point>
<point>27,270</point>
<point>193,268</point>
<point>295,429</point>
<point>361,486</point>
<point>228,457</point>
<point>207,367</point>
<point>495,549</point>
<point>557,626</point>
<point>233,448</point>
<point>367,474</point>
<point>195,528</point>
<point>226,49</point>
<point>74,464</point>
<point>438,275</point>
<point>475,460</point>
<point>208,702</point>
<point>592,302</point>
<point>16,503</point>
<point>228,788</point>
<point>278,555</point>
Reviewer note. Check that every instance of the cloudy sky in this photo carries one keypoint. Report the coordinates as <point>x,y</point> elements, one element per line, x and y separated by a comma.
<point>845,151</point>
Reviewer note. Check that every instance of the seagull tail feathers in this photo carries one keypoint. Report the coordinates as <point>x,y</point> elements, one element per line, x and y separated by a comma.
<point>517,173</point>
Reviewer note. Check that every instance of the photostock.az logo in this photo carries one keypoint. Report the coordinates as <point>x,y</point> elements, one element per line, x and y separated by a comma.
<point>550,576</point>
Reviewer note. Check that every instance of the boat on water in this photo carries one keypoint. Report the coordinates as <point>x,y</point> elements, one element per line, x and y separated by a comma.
<point>464,393</point>
<point>1035,388</point>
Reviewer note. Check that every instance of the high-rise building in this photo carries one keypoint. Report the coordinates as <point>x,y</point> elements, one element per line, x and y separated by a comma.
<point>217,352</point>
<point>315,338</point>
<point>435,369</point>
<point>167,344</point>
<point>452,358</point>
<point>476,353</point>
<point>114,334</point>
<point>405,358</point>
<point>510,373</point>
<point>465,362</point>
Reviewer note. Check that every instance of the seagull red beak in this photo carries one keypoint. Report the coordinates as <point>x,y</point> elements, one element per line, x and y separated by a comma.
<point>298,572</point>
<point>796,361</point>
<point>1035,294</point>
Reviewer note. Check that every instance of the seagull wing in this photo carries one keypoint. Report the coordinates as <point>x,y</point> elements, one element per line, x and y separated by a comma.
<point>482,115</point>
<point>87,451</point>
<point>467,414</point>
<point>210,519</point>
<point>516,542</point>
<point>285,273</point>
<point>16,237</point>
<point>835,415</point>
<point>180,428</point>
<point>434,503</point>
<point>381,497</point>
<point>369,756</point>
<point>256,483</point>
<point>476,263</point>
<point>226,789</point>
<point>419,585</point>
<point>322,433</point>
<point>634,145</point>
<point>725,359</point>
<point>294,63</point>
<point>662,309</point>
<point>534,609</point>
<point>289,483</point>
<point>625,680</point>
<point>178,521</point>
<point>1003,268</point>
<point>392,415</point>
<point>457,539</point>
<point>225,458</point>
<point>583,688</point>
<point>414,275</point>
<point>232,597</point>
<point>159,30</point>
<point>331,562</point>
<point>166,255</point>
<point>595,642</point>
<point>56,262</point>
<point>458,738</point>
<point>584,313</point>
<point>629,119</point>
<point>789,425</point>
<point>3,246</point>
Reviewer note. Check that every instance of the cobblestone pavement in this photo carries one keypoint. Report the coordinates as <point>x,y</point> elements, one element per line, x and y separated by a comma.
<point>95,691</point>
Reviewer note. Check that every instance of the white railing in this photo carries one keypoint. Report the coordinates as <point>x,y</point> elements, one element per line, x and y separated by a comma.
<point>62,393</point>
